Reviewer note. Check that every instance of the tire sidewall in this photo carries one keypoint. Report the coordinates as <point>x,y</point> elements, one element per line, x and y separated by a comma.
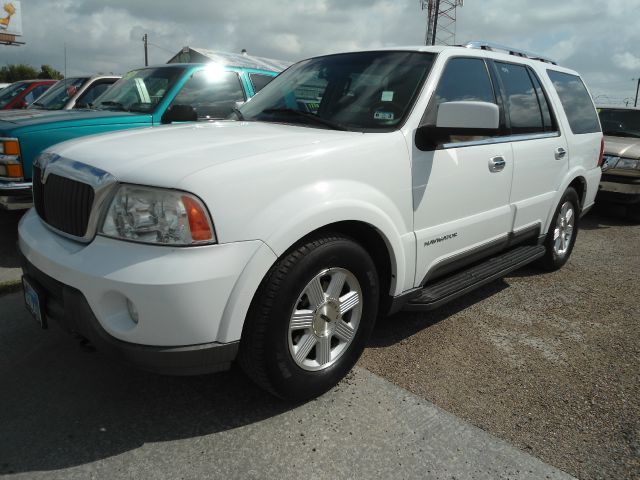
<point>281,368</point>
<point>553,260</point>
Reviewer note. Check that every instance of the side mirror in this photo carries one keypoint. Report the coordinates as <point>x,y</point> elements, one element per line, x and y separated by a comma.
<point>180,113</point>
<point>459,118</point>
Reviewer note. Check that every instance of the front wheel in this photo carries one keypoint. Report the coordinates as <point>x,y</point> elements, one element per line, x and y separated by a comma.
<point>311,317</point>
<point>562,233</point>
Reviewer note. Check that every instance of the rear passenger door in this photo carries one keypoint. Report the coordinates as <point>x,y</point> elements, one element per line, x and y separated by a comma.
<point>540,153</point>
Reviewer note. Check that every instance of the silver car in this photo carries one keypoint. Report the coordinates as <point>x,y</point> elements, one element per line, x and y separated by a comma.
<point>74,92</point>
<point>621,168</point>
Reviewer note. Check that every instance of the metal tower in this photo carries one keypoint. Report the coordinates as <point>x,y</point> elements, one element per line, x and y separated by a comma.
<point>441,21</point>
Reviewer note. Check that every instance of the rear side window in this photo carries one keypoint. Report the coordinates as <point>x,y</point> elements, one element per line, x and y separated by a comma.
<point>576,102</point>
<point>547,117</point>
<point>259,81</point>
<point>522,99</point>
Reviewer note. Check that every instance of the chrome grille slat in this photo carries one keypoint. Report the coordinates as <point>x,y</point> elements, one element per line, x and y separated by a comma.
<point>63,203</point>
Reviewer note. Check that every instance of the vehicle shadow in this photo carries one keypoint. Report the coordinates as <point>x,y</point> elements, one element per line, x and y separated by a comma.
<point>606,215</point>
<point>396,328</point>
<point>8,238</point>
<point>62,407</point>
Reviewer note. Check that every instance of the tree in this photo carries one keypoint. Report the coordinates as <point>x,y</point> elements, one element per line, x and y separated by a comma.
<point>47,71</point>
<point>13,73</point>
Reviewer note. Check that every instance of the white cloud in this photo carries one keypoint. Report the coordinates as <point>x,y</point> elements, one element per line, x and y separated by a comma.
<point>627,60</point>
<point>590,36</point>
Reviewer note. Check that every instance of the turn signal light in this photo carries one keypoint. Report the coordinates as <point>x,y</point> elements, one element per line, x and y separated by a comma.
<point>10,147</point>
<point>14,170</point>
<point>198,220</point>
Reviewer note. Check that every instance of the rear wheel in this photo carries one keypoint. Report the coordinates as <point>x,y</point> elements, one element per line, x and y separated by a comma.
<point>311,317</point>
<point>563,231</point>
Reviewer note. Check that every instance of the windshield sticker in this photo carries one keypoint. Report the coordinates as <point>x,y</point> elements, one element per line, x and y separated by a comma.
<point>387,96</point>
<point>383,115</point>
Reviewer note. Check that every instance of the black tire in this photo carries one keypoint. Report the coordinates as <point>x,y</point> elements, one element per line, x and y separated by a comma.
<point>264,348</point>
<point>552,260</point>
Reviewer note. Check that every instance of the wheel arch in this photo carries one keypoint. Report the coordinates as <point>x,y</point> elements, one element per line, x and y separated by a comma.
<point>385,251</point>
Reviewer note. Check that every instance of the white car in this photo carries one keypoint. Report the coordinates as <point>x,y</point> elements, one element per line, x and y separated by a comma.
<point>353,185</point>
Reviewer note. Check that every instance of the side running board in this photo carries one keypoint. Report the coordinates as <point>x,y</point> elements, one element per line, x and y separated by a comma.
<point>441,291</point>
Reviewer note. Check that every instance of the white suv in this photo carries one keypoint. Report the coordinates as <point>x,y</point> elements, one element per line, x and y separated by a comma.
<point>352,185</point>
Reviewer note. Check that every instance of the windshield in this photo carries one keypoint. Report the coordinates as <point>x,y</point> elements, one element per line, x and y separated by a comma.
<point>620,123</point>
<point>58,95</point>
<point>139,90</point>
<point>366,91</point>
<point>11,92</point>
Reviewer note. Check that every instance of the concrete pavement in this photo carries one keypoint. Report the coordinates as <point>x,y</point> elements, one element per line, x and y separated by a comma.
<point>68,413</point>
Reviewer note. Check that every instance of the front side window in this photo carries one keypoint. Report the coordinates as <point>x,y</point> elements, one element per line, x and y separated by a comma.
<point>11,92</point>
<point>91,93</point>
<point>259,81</point>
<point>58,95</point>
<point>139,90</point>
<point>213,93</point>
<point>576,102</point>
<point>620,123</point>
<point>463,79</point>
<point>366,91</point>
<point>522,99</point>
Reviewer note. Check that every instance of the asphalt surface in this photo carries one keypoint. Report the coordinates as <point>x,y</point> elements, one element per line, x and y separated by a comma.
<point>9,263</point>
<point>548,362</point>
<point>68,413</point>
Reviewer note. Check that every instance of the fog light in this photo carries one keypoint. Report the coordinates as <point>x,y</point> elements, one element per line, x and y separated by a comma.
<point>133,311</point>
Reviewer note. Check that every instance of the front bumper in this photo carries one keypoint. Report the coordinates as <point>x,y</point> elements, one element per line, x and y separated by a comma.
<point>15,195</point>
<point>180,294</point>
<point>70,309</point>
<point>619,189</point>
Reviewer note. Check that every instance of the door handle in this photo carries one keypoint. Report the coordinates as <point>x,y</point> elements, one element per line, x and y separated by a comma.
<point>497,164</point>
<point>560,153</point>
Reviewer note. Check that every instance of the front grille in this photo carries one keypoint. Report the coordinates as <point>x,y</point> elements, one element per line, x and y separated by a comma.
<point>63,203</point>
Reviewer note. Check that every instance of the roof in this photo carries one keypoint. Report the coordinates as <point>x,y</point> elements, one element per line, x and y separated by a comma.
<point>229,59</point>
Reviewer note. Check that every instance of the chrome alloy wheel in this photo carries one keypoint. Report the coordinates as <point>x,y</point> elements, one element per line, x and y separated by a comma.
<point>325,319</point>
<point>563,233</point>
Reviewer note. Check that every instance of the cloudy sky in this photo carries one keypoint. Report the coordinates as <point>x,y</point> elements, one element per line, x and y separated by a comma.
<point>598,38</point>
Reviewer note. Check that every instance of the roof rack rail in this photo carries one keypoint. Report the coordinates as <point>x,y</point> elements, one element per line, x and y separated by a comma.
<point>482,45</point>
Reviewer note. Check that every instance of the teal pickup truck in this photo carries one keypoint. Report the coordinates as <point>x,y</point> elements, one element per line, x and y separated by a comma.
<point>142,98</point>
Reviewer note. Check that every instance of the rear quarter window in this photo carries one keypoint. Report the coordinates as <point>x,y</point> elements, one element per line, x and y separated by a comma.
<point>576,102</point>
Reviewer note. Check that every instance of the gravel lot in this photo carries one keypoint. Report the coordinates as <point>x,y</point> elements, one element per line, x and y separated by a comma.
<point>547,361</point>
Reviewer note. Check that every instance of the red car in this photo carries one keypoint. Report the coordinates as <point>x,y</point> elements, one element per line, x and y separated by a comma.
<point>23,93</point>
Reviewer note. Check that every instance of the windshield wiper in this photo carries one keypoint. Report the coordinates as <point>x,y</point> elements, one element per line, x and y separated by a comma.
<point>37,104</point>
<point>110,103</point>
<point>310,116</point>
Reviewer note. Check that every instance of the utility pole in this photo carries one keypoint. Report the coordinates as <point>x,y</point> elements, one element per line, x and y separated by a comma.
<point>441,21</point>
<point>637,90</point>
<point>145,39</point>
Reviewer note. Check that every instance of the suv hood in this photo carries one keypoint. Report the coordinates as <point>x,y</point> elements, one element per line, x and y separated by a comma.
<point>162,156</point>
<point>622,147</point>
<point>44,119</point>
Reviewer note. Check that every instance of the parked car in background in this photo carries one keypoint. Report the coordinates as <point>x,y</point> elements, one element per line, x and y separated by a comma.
<point>22,94</point>
<point>620,182</point>
<point>357,183</point>
<point>74,92</point>
<point>141,98</point>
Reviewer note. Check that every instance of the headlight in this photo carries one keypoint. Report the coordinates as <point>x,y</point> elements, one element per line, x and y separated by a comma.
<point>628,163</point>
<point>159,216</point>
